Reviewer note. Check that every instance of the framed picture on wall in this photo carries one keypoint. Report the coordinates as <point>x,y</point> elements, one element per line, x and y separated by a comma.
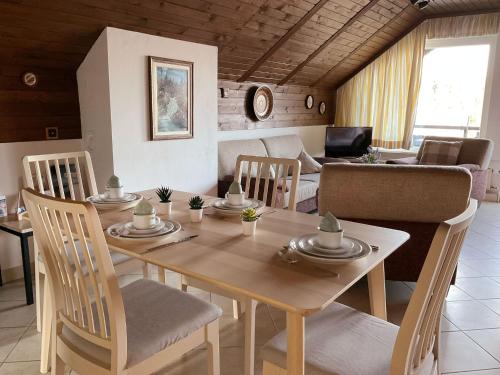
<point>171,98</point>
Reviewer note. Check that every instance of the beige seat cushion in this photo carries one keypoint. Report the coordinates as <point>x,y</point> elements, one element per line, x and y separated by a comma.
<point>440,153</point>
<point>305,190</point>
<point>157,316</point>
<point>340,340</point>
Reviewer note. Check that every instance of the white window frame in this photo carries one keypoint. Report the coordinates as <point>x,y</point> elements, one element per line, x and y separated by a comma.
<point>490,40</point>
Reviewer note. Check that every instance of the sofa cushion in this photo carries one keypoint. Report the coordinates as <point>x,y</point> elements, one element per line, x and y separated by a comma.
<point>473,150</point>
<point>230,150</point>
<point>305,190</point>
<point>308,164</point>
<point>440,152</point>
<point>284,146</point>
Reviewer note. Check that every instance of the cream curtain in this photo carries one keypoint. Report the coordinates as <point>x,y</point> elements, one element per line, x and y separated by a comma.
<point>384,95</point>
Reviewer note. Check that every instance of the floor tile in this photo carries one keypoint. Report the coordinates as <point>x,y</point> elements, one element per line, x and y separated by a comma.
<point>471,315</point>
<point>461,353</point>
<point>458,294</point>
<point>447,326</point>
<point>8,340</point>
<point>14,291</point>
<point>493,304</point>
<point>481,372</point>
<point>488,339</point>
<point>20,368</point>
<point>16,314</point>
<point>469,252</point>
<point>465,271</point>
<point>485,267</point>
<point>479,288</point>
<point>28,348</point>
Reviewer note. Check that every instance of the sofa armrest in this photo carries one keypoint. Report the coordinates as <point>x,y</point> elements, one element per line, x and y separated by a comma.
<point>470,167</point>
<point>324,160</point>
<point>404,161</point>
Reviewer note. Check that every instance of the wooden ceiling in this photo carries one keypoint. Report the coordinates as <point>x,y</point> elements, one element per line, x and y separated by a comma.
<point>302,42</point>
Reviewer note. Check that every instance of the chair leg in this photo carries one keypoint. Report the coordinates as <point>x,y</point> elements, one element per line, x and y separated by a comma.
<point>46,330</point>
<point>250,307</point>
<point>161,275</point>
<point>184,285</point>
<point>237,310</point>
<point>145,270</point>
<point>212,338</point>
<point>38,289</point>
<point>57,363</point>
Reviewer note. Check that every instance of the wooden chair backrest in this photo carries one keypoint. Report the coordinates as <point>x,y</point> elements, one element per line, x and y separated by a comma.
<point>86,297</point>
<point>260,167</point>
<point>420,329</point>
<point>70,169</point>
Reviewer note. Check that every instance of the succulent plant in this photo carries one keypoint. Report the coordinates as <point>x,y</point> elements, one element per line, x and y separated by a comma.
<point>196,203</point>
<point>249,214</point>
<point>164,194</point>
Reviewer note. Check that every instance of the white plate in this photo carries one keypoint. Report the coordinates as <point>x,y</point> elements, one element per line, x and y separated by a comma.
<point>221,205</point>
<point>158,227</point>
<point>114,205</point>
<point>119,231</point>
<point>307,251</point>
<point>102,198</point>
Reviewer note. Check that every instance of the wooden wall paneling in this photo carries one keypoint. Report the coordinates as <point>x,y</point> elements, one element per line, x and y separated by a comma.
<point>289,107</point>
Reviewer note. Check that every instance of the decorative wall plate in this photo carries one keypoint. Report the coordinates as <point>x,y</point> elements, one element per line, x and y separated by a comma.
<point>309,101</point>
<point>322,108</point>
<point>29,79</point>
<point>263,103</point>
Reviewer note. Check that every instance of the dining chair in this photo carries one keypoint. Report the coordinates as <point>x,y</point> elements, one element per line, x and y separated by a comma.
<point>68,176</point>
<point>100,328</point>
<point>273,181</point>
<point>341,340</point>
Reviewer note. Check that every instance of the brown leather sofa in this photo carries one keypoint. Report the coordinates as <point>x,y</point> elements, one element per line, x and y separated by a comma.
<point>475,155</point>
<point>414,199</point>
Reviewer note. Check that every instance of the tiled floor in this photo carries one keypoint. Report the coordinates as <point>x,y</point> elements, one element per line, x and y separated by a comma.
<point>471,321</point>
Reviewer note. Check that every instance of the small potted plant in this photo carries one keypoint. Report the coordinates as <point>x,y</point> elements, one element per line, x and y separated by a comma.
<point>196,208</point>
<point>164,194</point>
<point>249,221</point>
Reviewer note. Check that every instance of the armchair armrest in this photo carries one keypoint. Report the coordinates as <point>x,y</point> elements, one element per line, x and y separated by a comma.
<point>470,167</point>
<point>404,161</point>
<point>323,160</point>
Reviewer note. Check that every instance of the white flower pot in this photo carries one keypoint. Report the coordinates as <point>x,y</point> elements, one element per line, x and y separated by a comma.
<point>249,227</point>
<point>165,208</point>
<point>196,215</point>
<point>331,240</point>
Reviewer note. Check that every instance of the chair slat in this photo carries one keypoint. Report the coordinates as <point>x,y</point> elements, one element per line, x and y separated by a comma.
<point>49,178</point>
<point>275,185</point>
<point>79,176</point>
<point>69,178</point>
<point>256,189</point>
<point>59,180</point>
<point>248,179</point>
<point>39,180</point>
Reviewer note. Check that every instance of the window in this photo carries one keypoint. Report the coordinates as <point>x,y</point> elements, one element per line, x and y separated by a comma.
<point>453,89</point>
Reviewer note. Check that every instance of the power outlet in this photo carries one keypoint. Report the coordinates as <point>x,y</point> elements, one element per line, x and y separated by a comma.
<point>52,132</point>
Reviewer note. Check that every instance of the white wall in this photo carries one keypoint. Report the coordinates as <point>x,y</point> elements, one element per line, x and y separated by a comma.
<point>11,183</point>
<point>186,164</point>
<point>95,113</point>
<point>313,137</point>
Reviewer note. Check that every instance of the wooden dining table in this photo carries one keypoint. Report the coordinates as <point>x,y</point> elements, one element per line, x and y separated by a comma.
<point>249,266</point>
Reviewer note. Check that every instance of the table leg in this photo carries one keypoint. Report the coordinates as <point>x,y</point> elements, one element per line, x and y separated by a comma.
<point>250,307</point>
<point>25,251</point>
<point>295,327</point>
<point>376,287</point>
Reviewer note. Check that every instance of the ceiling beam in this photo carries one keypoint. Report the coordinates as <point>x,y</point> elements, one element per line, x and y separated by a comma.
<point>353,19</point>
<point>385,26</point>
<point>283,40</point>
<point>381,51</point>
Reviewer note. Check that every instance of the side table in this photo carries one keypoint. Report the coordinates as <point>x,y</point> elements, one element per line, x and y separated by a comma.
<point>23,230</point>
